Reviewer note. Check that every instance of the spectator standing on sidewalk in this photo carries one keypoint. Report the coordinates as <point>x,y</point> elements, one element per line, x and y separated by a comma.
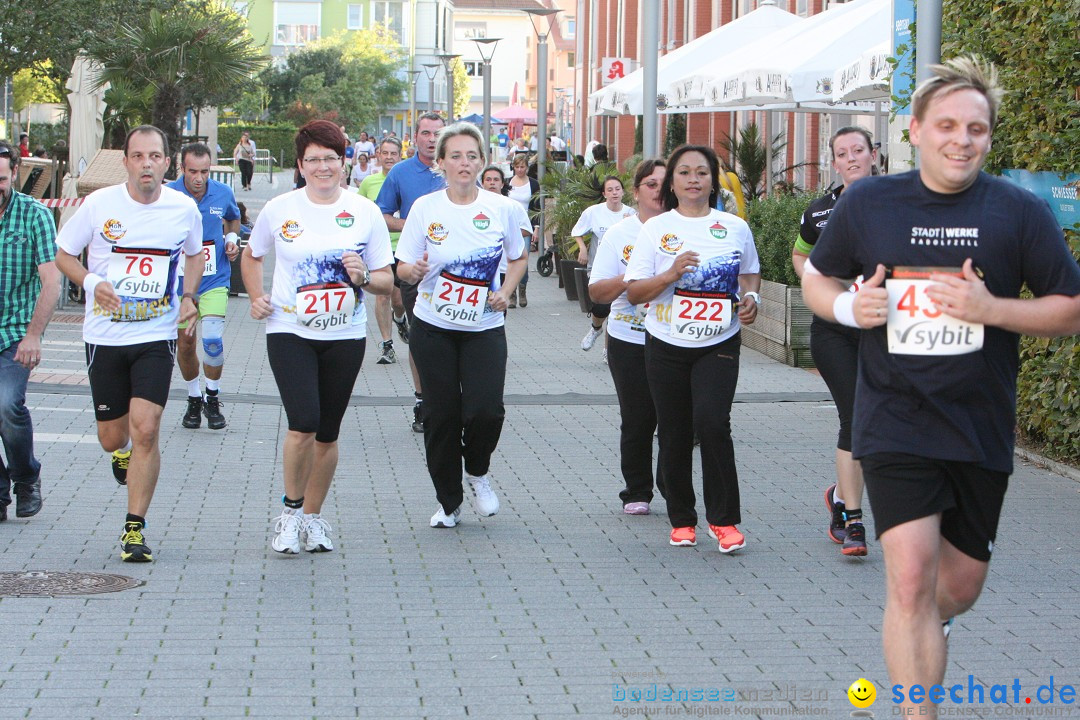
<point>29,287</point>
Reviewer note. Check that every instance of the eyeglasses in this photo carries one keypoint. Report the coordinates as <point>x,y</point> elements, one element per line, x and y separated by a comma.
<point>6,152</point>
<point>328,161</point>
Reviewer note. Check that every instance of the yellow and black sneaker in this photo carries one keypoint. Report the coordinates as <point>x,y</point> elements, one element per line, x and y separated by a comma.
<point>120,462</point>
<point>133,546</point>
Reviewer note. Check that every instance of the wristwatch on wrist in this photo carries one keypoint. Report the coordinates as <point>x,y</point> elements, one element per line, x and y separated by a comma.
<point>752,294</point>
<point>191,296</point>
<point>366,278</point>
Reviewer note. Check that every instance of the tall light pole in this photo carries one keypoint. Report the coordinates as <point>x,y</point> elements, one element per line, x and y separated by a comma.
<point>448,58</point>
<point>486,46</point>
<point>411,120</point>
<point>431,70</point>
<point>541,91</point>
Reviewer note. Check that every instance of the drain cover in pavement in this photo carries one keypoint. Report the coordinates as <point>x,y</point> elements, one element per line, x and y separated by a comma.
<point>52,584</point>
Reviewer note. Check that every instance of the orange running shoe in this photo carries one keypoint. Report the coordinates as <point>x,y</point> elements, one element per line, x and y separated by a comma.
<point>683,537</point>
<point>728,536</point>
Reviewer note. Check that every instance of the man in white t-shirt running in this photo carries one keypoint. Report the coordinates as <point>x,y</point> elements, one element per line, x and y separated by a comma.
<point>135,236</point>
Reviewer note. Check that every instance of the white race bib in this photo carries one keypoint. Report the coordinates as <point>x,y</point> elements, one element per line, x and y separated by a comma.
<point>139,272</point>
<point>325,306</point>
<point>459,300</point>
<point>699,315</point>
<point>916,326</point>
<point>209,255</point>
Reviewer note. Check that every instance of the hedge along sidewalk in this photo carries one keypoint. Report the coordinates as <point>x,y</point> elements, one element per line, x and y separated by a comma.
<point>279,139</point>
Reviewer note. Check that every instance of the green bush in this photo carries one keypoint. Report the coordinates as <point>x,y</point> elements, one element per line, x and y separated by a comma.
<point>1048,391</point>
<point>775,224</point>
<point>275,138</point>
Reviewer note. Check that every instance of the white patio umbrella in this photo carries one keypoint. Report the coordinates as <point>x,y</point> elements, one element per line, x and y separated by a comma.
<point>625,96</point>
<point>86,129</point>
<point>799,68</point>
<point>866,78</point>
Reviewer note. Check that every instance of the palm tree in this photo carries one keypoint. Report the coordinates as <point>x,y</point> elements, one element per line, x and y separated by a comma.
<point>197,54</point>
<point>744,155</point>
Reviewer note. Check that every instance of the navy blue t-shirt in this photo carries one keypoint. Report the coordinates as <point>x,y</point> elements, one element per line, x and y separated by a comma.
<point>954,407</point>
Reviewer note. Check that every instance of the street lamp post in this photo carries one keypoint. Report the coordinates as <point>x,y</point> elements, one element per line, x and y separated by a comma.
<point>448,58</point>
<point>541,101</point>
<point>411,120</point>
<point>486,46</point>
<point>431,70</point>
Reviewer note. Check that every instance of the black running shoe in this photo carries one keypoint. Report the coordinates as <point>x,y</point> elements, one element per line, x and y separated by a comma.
<point>402,327</point>
<point>212,407</point>
<point>417,420</point>
<point>133,546</point>
<point>855,540</point>
<point>193,416</point>
<point>836,516</point>
<point>120,462</point>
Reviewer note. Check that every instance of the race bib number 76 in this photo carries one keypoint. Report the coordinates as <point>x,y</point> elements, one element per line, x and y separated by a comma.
<point>915,324</point>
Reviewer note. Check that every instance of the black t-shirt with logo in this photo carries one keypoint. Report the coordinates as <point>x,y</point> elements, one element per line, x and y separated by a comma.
<point>817,216</point>
<point>953,407</point>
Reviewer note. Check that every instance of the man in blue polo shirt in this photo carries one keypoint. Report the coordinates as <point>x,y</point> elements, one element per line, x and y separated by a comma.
<point>407,181</point>
<point>221,223</point>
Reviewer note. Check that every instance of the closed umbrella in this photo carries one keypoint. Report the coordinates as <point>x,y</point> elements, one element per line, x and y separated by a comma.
<point>86,129</point>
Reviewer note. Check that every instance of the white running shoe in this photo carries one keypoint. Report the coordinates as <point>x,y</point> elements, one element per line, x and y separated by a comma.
<point>590,337</point>
<point>441,520</point>
<point>287,528</point>
<point>316,534</point>
<point>484,499</point>
<point>604,357</point>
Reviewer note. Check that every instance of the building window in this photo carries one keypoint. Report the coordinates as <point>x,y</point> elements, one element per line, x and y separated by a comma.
<point>390,13</point>
<point>296,23</point>
<point>474,68</point>
<point>569,28</point>
<point>470,30</point>
<point>571,59</point>
<point>801,7</point>
<point>356,17</point>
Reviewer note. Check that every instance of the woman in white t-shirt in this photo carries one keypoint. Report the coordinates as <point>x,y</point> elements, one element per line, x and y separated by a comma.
<point>451,245</point>
<point>698,269</point>
<point>330,247</point>
<point>626,340</point>
<point>593,223</point>
<point>524,190</point>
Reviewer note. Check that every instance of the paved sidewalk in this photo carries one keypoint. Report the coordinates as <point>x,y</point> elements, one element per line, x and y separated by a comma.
<point>551,609</point>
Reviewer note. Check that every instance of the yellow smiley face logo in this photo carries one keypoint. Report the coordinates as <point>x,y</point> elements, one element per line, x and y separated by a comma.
<point>862,693</point>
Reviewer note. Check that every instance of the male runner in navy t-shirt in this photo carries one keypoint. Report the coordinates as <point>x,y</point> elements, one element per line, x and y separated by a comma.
<point>946,249</point>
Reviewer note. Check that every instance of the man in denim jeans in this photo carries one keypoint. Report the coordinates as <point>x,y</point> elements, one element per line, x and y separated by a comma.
<point>29,287</point>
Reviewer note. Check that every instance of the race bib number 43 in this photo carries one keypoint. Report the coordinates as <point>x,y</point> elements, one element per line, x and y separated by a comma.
<point>325,306</point>
<point>459,300</point>
<point>139,272</point>
<point>699,315</point>
<point>916,326</point>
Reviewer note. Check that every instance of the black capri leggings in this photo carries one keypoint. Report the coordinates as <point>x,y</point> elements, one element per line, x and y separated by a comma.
<point>835,349</point>
<point>315,379</point>
<point>247,169</point>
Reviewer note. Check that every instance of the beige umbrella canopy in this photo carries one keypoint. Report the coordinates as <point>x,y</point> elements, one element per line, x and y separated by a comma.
<point>87,102</point>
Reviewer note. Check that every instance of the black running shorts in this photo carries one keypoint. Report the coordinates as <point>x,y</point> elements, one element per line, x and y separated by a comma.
<point>904,487</point>
<point>121,372</point>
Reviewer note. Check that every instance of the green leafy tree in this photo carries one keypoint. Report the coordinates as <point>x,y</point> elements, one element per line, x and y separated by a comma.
<point>349,78</point>
<point>30,88</point>
<point>462,87</point>
<point>44,36</point>
<point>196,54</point>
<point>675,134</point>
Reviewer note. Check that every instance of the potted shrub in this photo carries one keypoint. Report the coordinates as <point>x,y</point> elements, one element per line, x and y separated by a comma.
<point>782,328</point>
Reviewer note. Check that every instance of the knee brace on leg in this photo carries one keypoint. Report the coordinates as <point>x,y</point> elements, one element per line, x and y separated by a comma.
<point>213,347</point>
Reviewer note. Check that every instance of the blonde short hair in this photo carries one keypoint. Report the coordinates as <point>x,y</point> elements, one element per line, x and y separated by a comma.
<point>967,72</point>
<point>459,128</point>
